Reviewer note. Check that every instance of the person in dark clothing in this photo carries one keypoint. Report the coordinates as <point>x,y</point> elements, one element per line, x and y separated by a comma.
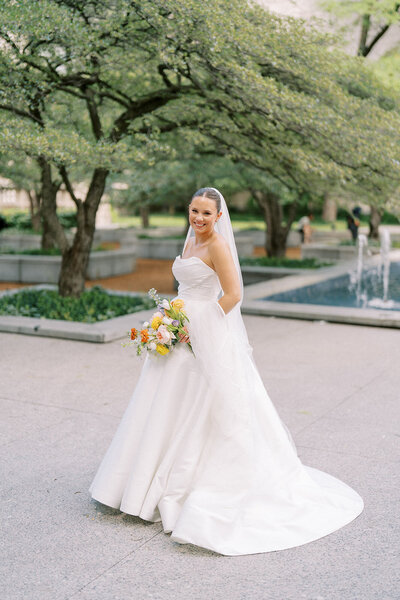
<point>352,226</point>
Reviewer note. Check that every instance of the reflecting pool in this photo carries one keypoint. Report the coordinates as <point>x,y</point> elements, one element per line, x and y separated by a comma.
<point>349,290</point>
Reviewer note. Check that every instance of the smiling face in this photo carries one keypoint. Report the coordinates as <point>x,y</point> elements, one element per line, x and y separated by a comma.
<point>203,214</point>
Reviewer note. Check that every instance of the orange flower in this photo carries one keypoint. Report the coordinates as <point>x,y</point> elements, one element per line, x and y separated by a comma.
<point>144,335</point>
<point>133,333</point>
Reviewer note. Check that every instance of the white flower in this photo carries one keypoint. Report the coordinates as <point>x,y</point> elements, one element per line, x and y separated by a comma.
<point>165,304</point>
<point>146,324</point>
<point>157,314</point>
<point>163,335</point>
<point>167,321</point>
<point>152,346</point>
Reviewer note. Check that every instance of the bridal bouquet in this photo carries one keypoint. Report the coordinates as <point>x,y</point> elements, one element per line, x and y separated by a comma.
<point>165,329</point>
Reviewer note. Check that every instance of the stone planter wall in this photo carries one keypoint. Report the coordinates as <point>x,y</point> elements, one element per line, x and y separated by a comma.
<point>19,241</point>
<point>160,248</point>
<point>126,236</point>
<point>24,268</point>
<point>255,274</point>
<point>259,236</point>
<point>329,252</point>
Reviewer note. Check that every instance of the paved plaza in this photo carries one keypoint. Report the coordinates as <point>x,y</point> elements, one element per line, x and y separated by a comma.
<point>337,388</point>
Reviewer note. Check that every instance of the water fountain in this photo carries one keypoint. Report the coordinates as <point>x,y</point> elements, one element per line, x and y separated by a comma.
<point>385,263</point>
<point>364,291</point>
<point>362,298</point>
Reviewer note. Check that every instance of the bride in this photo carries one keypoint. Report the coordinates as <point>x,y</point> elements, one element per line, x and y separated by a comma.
<point>201,447</point>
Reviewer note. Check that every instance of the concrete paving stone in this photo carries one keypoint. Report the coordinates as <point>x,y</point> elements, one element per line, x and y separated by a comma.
<point>46,501</point>
<point>329,568</point>
<point>85,377</point>
<point>358,561</point>
<point>378,402</point>
<point>63,400</point>
<point>361,439</point>
<point>22,419</point>
<point>311,389</point>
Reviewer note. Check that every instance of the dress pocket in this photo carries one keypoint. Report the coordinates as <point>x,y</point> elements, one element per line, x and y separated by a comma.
<point>221,310</point>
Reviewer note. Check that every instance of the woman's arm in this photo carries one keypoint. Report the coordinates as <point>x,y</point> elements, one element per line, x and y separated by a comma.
<point>222,260</point>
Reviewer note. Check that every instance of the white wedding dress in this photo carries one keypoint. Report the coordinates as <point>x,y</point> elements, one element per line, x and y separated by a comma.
<point>202,449</point>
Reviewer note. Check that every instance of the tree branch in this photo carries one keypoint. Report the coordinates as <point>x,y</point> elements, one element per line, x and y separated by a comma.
<point>93,113</point>
<point>141,107</point>
<point>63,172</point>
<point>21,113</point>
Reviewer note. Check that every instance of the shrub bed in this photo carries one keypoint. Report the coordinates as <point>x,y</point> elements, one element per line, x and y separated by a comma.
<point>95,304</point>
<point>291,263</point>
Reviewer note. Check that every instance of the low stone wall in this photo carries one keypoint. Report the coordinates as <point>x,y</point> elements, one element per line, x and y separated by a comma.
<point>126,236</point>
<point>24,268</point>
<point>161,248</point>
<point>329,252</point>
<point>19,241</point>
<point>258,237</point>
<point>255,274</point>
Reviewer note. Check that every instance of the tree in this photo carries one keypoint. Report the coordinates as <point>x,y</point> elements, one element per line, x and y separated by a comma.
<point>25,176</point>
<point>374,18</point>
<point>175,181</point>
<point>24,173</point>
<point>107,85</point>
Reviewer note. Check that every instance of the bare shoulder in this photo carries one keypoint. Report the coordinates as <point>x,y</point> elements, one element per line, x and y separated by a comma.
<point>219,248</point>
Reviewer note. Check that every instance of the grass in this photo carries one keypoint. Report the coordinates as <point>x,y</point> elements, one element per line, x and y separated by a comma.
<point>93,305</point>
<point>292,263</point>
<point>179,220</point>
<point>239,221</point>
<point>157,238</point>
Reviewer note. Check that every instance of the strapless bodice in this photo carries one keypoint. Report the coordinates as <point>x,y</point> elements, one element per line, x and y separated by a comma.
<point>197,280</point>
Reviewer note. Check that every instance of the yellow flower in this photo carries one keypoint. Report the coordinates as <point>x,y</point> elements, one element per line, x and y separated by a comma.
<point>162,349</point>
<point>156,322</point>
<point>178,304</point>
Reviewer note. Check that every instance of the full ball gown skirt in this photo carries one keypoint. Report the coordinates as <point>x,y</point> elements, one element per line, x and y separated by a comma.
<point>202,448</point>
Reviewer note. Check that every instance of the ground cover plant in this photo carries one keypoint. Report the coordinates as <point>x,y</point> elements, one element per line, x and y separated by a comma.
<point>291,263</point>
<point>94,304</point>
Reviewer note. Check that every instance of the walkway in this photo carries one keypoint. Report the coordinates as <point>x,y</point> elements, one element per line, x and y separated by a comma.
<point>335,386</point>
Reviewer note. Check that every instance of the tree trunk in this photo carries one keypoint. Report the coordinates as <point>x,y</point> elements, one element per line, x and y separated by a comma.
<point>74,264</point>
<point>329,210</point>
<point>277,233</point>
<point>48,241</point>
<point>52,232</point>
<point>75,258</point>
<point>34,205</point>
<point>365,25</point>
<point>145,216</point>
<point>374,222</point>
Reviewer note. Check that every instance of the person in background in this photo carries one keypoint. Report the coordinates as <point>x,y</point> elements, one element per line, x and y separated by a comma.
<point>304,227</point>
<point>352,226</point>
